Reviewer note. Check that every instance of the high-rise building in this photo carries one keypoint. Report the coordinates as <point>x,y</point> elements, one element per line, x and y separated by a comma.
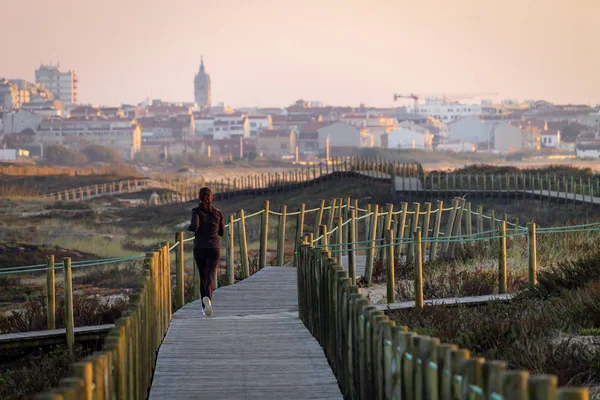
<point>62,84</point>
<point>202,87</point>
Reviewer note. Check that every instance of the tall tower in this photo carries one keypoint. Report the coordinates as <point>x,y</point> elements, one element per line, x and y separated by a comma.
<point>202,87</point>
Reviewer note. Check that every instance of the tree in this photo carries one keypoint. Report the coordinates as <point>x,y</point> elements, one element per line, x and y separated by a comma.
<point>57,154</point>
<point>98,153</point>
<point>570,133</point>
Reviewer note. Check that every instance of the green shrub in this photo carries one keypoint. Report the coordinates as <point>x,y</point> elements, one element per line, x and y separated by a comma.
<point>98,153</point>
<point>56,154</point>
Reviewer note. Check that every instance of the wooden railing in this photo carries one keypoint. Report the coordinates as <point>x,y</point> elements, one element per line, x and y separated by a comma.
<point>375,359</point>
<point>560,187</point>
<point>187,189</point>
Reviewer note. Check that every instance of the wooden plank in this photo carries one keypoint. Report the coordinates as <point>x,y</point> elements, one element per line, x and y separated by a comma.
<point>51,337</point>
<point>452,301</point>
<point>253,347</point>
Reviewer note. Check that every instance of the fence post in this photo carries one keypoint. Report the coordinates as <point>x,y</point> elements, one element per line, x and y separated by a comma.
<point>319,217</point>
<point>425,229</point>
<point>387,225</point>
<point>542,387</point>
<point>325,239</point>
<point>532,238</point>
<point>299,232</point>
<point>390,267</point>
<point>231,251</point>
<point>502,257</point>
<point>414,226</point>
<point>243,245</point>
<point>351,245</point>
<point>456,229</point>
<point>50,293</point>
<point>436,230</point>
<point>68,288</point>
<point>401,224</point>
<point>418,269</point>
<point>340,239</point>
<point>371,245</point>
<point>450,225</point>
<point>179,271</point>
<point>264,235</point>
<point>281,236</point>
<point>514,384</point>
<point>572,393</point>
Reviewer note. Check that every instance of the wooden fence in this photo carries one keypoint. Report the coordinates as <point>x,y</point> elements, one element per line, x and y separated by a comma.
<point>187,189</point>
<point>518,184</point>
<point>375,359</point>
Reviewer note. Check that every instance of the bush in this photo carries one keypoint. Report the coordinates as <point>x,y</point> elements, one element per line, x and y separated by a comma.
<point>86,311</point>
<point>36,372</point>
<point>56,154</point>
<point>97,153</point>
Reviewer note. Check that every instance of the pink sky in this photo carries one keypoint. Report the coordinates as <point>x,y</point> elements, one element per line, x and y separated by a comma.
<point>268,52</point>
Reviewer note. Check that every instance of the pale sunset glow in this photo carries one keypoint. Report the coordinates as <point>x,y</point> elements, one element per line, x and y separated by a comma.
<point>267,52</point>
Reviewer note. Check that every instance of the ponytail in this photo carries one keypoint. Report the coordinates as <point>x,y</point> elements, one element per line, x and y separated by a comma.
<point>205,197</point>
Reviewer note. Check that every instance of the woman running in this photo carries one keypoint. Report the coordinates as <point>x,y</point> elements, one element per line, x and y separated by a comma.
<point>207,223</point>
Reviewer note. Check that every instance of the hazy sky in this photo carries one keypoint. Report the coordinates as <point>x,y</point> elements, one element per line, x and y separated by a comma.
<point>271,52</point>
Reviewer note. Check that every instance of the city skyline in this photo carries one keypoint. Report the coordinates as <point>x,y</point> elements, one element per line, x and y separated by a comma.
<point>339,52</point>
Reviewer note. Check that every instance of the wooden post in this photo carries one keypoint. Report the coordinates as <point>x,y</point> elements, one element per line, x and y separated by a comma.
<point>572,393</point>
<point>387,225</point>
<point>281,236</point>
<point>299,232</point>
<point>264,235</point>
<point>319,217</point>
<point>50,293</point>
<point>243,245</point>
<point>514,385</point>
<point>414,225</point>
<point>400,235</point>
<point>502,257</point>
<point>231,251</point>
<point>469,221</point>
<point>390,267</point>
<point>324,239</point>
<point>532,254</point>
<point>332,213</point>
<point>418,270</point>
<point>425,229</point>
<point>179,271</point>
<point>479,220</point>
<point>542,387</point>
<point>371,246</point>
<point>69,321</point>
<point>84,371</point>
<point>340,239</point>
<point>450,225</point>
<point>351,246</point>
<point>436,230</point>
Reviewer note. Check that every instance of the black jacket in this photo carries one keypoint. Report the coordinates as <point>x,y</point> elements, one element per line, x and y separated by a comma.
<point>208,226</point>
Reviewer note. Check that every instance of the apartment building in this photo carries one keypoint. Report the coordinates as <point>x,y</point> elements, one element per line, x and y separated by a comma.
<point>63,84</point>
<point>121,134</point>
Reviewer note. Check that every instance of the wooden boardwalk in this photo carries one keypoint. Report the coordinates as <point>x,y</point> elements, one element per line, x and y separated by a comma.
<point>253,347</point>
<point>52,337</point>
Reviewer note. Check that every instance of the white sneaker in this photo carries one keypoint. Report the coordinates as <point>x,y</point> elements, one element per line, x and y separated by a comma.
<point>207,306</point>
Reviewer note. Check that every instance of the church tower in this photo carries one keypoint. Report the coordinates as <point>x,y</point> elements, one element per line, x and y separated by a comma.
<point>202,87</point>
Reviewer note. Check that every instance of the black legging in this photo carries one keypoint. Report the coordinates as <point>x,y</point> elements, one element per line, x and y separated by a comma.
<point>207,261</point>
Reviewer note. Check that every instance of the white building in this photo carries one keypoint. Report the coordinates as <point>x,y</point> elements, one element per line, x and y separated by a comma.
<point>62,84</point>
<point>18,121</point>
<point>470,129</point>
<point>227,125</point>
<point>446,111</point>
<point>506,138</point>
<point>259,123</point>
<point>409,139</point>
<point>121,134</point>
<point>205,125</point>
<point>550,139</point>
<point>588,151</point>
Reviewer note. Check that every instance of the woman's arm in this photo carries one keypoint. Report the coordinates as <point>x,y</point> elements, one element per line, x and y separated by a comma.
<point>221,225</point>
<point>195,222</point>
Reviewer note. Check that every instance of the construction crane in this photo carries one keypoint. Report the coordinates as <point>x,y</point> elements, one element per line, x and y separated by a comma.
<point>413,96</point>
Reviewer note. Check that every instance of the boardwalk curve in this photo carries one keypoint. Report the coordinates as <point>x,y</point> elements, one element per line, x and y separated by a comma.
<point>254,346</point>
